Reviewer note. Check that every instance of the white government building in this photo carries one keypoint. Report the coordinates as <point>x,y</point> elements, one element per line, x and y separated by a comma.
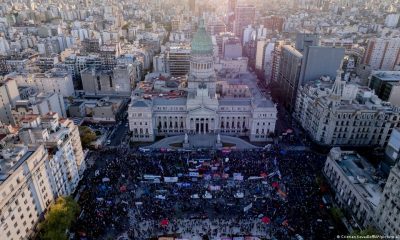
<point>202,109</point>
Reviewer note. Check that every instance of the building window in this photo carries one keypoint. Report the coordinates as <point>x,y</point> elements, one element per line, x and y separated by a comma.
<point>98,83</point>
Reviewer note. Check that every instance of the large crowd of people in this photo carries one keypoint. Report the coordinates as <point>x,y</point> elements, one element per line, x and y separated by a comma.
<point>204,194</point>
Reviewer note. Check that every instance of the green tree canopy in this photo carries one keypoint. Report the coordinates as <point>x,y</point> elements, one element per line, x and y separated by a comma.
<point>369,231</point>
<point>87,136</point>
<point>337,214</point>
<point>59,219</point>
<point>125,26</point>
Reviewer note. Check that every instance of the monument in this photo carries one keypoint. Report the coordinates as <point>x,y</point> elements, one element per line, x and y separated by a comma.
<point>218,144</point>
<point>186,141</point>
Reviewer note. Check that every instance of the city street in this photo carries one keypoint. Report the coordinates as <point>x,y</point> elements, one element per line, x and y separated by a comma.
<point>119,134</point>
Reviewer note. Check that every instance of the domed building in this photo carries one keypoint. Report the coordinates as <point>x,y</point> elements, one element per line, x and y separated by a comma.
<point>201,42</point>
<point>234,110</point>
<point>202,61</point>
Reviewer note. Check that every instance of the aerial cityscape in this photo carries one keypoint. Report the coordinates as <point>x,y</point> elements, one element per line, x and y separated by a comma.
<point>199,119</point>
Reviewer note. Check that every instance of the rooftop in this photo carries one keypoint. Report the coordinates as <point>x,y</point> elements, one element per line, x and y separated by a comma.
<point>265,103</point>
<point>235,102</point>
<point>11,162</point>
<point>169,101</point>
<point>387,75</point>
<point>140,103</point>
<point>362,175</point>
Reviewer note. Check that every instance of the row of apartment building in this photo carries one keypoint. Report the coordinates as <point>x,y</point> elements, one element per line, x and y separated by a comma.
<point>40,161</point>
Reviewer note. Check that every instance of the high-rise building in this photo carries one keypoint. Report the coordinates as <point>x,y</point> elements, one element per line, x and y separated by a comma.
<point>273,23</point>
<point>392,20</point>
<point>76,144</point>
<point>230,13</point>
<point>382,53</point>
<point>334,42</point>
<point>244,16</point>
<point>26,189</point>
<point>231,6</point>
<point>289,75</point>
<point>90,45</point>
<point>260,50</point>
<point>9,94</point>
<point>54,81</point>
<point>192,5</point>
<point>108,82</point>
<point>231,47</point>
<point>4,68</point>
<point>249,51</point>
<point>178,60</point>
<point>386,85</point>
<point>392,151</point>
<point>109,54</point>
<point>388,210</point>
<point>304,40</point>
<point>45,162</point>
<point>313,67</point>
<point>47,63</point>
<point>62,166</point>
<point>268,62</point>
<point>276,59</point>
<point>42,104</point>
<point>358,191</point>
<point>249,34</point>
<point>215,28</point>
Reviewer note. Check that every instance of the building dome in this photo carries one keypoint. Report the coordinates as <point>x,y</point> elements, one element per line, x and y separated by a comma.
<point>202,43</point>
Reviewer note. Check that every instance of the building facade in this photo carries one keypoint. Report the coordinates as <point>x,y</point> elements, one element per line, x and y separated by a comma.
<point>289,74</point>
<point>25,190</point>
<point>305,40</point>
<point>352,179</point>
<point>339,113</point>
<point>178,60</point>
<point>54,81</point>
<point>40,162</point>
<point>312,67</point>
<point>41,104</point>
<point>244,16</point>
<point>386,85</point>
<point>9,95</point>
<point>382,54</point>
<point>388,212</point>
<point>118,81</point>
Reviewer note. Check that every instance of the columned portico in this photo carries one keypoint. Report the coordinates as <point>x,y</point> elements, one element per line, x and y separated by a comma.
<point>203,125</point>
<point>202,121</point>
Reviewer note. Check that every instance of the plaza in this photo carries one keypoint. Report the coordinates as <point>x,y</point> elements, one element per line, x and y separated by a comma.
<point>198,194</point>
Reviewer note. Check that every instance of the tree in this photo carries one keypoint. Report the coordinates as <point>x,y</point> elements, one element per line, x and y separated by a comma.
<point>70,99</point>
<point>337,214</point>
<point>126,26</point>
<point>87,136</point>
<point>369,231</point>
<point>59,219</point>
